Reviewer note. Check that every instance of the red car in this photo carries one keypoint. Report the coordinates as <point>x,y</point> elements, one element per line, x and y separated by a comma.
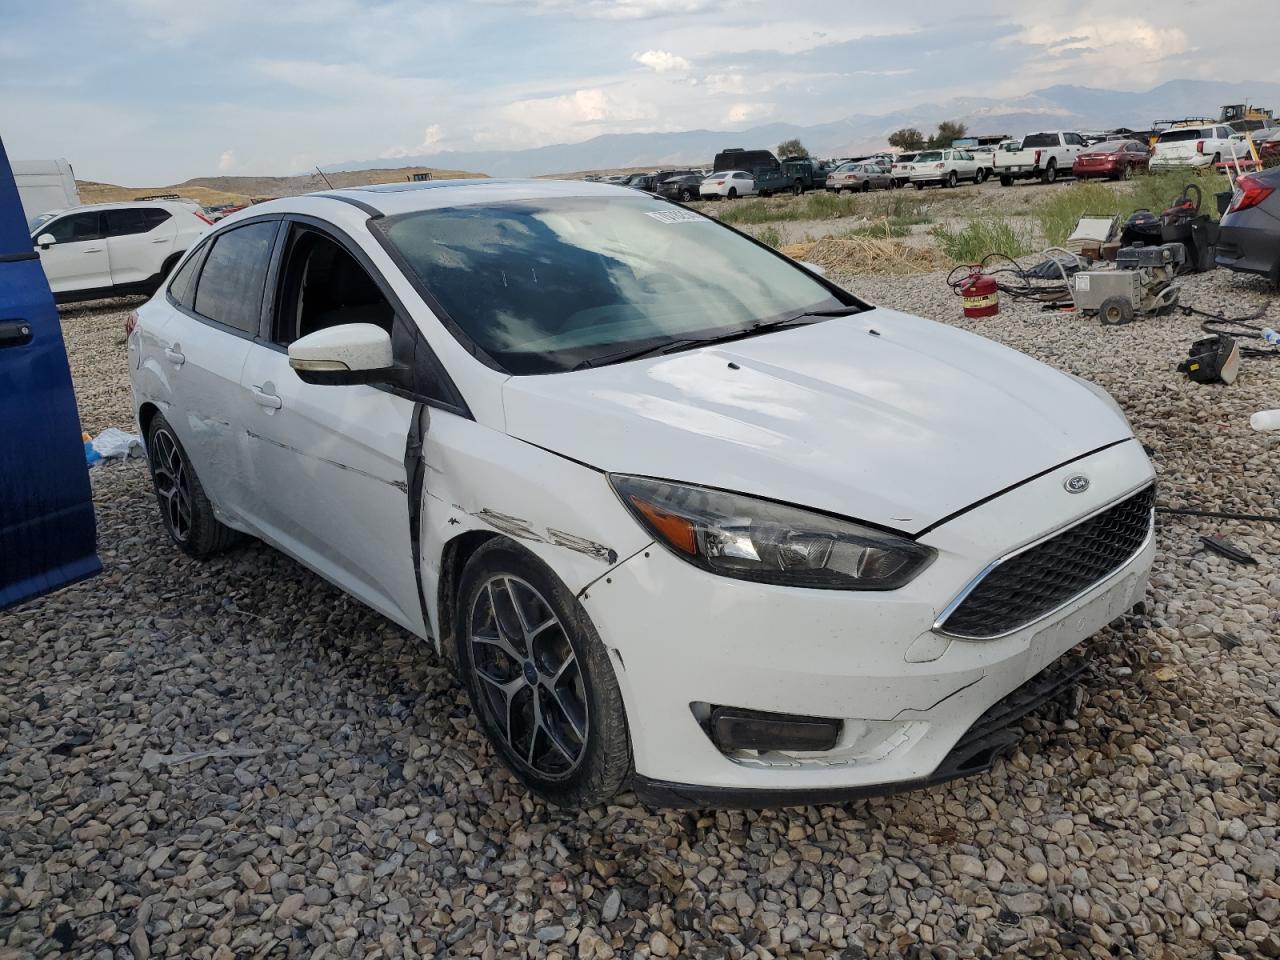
<point>1114,159</point>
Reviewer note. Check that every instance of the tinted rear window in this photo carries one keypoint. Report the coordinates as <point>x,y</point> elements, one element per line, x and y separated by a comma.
<point>1181,136</point>
<point>1040,140</point>
<point>230,286</point>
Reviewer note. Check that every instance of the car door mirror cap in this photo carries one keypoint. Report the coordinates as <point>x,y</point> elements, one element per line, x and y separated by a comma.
<point>45,241</point>
<point>346,354</point>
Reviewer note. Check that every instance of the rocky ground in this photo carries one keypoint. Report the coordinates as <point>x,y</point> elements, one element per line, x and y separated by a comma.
<point>232,759</point>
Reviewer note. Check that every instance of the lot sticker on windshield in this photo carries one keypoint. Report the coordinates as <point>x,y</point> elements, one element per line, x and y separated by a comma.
<point>675,216</point>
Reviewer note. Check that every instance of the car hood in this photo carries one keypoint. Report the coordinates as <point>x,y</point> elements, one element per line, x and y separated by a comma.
<point>881,416</point>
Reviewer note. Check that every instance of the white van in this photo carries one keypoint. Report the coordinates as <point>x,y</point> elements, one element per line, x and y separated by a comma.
<point>45,185</point>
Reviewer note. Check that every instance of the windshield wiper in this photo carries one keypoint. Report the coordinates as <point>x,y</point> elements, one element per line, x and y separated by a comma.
<point>685,343</point>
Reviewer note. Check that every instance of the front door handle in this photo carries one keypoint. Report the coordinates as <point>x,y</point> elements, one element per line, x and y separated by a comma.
<point>175,355</point>
<point>264,399</point>
<point>160,240</point>
<point>92,249</point>
<point>14,333</point>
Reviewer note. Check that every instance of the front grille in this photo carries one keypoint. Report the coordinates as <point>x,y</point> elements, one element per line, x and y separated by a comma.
<point>1030,584</point>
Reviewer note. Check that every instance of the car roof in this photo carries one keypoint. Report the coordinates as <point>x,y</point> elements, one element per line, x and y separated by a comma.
<point>390,199</point>
<point>123,205</point>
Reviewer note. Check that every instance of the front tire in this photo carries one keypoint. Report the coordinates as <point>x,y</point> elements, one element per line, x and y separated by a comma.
<point>539,678</point>
<point>185,510</point>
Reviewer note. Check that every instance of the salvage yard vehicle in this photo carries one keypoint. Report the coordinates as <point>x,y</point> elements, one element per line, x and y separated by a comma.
<point>682,187</point>
<point>946,168</point>
<point>728,185</point>
<point>1046,156</point>
<point>860,177</point>
<point>114,249</point>
<point>1197,147</point>
<point>901,168</point>
<point>1113,159</point>
<point>687,517</point>
<point>1249,234</point>
<point>48,535</point>
<point>805,173</point>
<point>766,171</point>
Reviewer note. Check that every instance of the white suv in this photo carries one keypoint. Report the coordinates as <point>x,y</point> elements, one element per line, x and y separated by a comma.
<point>111,249</point>
<point>1196,147</point>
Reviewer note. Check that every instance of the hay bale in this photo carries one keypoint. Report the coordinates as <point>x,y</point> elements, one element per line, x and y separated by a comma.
<point>846,255</point>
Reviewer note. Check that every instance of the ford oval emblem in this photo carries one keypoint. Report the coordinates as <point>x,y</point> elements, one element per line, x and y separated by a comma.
<point>1076,483</point>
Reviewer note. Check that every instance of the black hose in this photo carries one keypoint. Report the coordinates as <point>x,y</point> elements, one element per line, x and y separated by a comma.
<point>1241,328</point>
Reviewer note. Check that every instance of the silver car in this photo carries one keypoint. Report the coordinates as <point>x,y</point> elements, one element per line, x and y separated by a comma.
<point>862,177</point>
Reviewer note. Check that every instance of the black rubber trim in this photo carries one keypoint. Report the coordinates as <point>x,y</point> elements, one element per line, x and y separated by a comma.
<point>992,736</point>
<point>19,257</point>
<point>373,212</point>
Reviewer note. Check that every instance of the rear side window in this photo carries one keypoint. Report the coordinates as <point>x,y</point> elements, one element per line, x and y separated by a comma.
<point>183,287</point>
<point>76,227</point>
<point>230,287</point>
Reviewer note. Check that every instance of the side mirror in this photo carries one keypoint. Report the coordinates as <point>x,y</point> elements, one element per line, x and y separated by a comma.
<point>813,268</point>
<point>45,241</point>
<point>343,355</point>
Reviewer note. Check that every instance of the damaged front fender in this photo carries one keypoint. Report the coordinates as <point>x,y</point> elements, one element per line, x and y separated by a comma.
<point>482,480</point>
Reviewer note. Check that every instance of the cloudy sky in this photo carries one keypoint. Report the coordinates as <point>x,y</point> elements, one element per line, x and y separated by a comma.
<point>147,92</point>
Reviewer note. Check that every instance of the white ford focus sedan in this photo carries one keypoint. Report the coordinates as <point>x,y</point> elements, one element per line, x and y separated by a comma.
<point>688,518</point>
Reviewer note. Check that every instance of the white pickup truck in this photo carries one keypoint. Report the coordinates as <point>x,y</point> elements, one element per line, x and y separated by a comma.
<point>1045,155</point>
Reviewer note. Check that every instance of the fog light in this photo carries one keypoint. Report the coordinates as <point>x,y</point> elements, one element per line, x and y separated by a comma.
<point>732,728</point>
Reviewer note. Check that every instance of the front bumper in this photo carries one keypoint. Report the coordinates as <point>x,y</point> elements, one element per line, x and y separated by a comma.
<point>906,693</point>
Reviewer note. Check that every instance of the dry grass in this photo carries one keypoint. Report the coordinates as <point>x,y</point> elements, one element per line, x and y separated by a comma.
<point>861,254</point>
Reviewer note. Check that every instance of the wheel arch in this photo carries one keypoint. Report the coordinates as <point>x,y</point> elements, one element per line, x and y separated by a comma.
<point>453,560</point>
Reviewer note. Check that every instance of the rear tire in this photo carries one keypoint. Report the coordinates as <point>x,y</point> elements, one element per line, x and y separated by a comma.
<point>539,679</point>
<point>980,175</point>
<point>919,184</point>
<point>1005,180</point>
<point>1050,173</point>
<point>866,186</point>
<point>186,512</point>
<point>952,179</point>
<point>733,193</point>
<point>686,195</point>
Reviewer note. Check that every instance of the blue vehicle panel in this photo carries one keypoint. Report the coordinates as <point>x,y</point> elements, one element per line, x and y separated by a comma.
<point>48,536</point>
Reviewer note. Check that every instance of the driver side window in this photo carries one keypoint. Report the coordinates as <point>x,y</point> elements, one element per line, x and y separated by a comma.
<point>322,285</point>
<point>76,227</point>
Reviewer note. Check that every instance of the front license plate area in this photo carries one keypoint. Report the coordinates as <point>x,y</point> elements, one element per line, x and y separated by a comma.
<point>1063,634</point>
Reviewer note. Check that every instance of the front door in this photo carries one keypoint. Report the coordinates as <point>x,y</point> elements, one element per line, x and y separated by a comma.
<point>326,464</point>
<point>77,259</point>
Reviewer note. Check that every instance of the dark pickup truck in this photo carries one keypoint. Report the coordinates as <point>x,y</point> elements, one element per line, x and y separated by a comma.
<point>764,167</point>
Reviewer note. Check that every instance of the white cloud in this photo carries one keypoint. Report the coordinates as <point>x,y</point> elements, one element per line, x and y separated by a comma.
<point>431,138</point>
<point>743,112</point>
<point>227,161</point>
<point>661,61</point>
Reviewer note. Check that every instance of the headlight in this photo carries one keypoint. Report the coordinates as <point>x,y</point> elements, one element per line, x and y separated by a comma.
<point>751,539</point>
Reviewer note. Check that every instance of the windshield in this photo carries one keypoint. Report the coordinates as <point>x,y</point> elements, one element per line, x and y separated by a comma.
<point>543,285</point>
<point>1179,136</point>
<point>37,220</point>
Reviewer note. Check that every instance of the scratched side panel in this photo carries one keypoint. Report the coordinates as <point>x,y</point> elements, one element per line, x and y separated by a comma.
<point>480,479</point>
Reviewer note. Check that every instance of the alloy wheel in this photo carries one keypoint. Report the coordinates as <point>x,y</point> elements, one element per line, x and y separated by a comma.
<point>530,682</point>
<point>173,483</point>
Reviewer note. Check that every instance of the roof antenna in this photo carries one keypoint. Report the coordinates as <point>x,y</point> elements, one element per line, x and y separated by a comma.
<point>323,177</point>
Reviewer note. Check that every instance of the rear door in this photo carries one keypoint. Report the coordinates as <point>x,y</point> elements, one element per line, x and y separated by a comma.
<point>47,532</point>
<point>203,348</point>
<point>138,240</point>
<point>77,259</point>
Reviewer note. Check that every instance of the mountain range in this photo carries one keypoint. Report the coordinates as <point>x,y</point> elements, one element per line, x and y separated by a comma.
<point>1051,108</point>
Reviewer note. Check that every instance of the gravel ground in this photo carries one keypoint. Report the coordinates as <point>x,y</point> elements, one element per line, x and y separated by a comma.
<point>232,759</point>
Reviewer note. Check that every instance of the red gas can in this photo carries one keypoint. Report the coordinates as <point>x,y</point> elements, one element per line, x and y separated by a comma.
<point>980,293</point>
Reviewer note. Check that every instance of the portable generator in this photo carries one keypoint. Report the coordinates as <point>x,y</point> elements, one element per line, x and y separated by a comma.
<point>1141,283</point>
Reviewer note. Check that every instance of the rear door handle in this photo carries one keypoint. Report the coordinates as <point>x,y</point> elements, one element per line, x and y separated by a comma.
<point>160,240</point>
<point>14,333</point>
<point>175,355</point>
<point>92,249</point>
<point>264,399</point>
